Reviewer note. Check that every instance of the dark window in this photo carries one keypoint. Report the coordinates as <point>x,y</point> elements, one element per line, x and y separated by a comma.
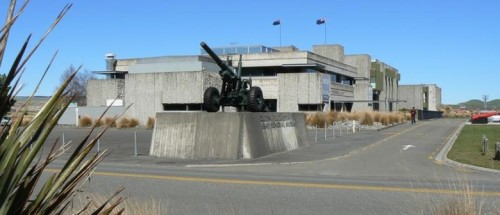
<point>271,105</point>
<point>182,107</point>
<point>260,72</point>
<point>310,107</point>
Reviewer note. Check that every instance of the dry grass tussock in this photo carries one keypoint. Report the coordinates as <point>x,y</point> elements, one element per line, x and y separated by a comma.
<point>85,121</point>
<point>126,122</point>
<point>98,123</point>
<point>454,114</point>
<point>364,117</point>
<point>151,123</point>
<point>109,120</point>
<point>26,119</point>
<point>449,112</point>
<point>461,200</point>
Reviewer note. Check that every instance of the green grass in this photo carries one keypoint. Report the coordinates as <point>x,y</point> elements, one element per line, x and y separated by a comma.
<point>468,146</point>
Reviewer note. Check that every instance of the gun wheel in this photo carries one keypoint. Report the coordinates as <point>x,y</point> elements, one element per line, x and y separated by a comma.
<point>255,100</point>
<point>211,99</point>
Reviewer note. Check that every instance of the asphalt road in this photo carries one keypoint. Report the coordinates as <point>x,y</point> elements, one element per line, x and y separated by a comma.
<point>392,171</point>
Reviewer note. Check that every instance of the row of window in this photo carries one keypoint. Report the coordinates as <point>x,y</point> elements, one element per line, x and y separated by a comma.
<point>270,103</point>
<point>273,71</point>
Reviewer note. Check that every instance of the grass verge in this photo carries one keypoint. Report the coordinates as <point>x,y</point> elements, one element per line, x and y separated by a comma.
<point>468,146</point>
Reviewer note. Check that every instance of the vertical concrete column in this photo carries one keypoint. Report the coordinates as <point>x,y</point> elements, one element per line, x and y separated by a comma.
<point>497,151</point>
<point>485,145</point>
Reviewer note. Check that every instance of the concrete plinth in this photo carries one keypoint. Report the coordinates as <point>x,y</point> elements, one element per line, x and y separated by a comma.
<point>211,136</point>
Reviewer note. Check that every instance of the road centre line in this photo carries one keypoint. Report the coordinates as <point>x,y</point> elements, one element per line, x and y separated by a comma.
<point>294,184</point>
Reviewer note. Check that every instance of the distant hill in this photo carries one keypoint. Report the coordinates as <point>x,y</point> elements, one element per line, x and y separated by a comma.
<point>36,103</point>
<point>35,98</point>
<point>478,104</point>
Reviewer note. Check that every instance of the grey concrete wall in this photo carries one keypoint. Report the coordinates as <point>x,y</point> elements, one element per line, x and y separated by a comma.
<point>389,92</point>
<point>438,98</point>
<point>149,91</point>
<point>212,136</point>
<point>334,52</point>
<point>269,86</point>
<point>413,96</point>
<point>298,88</point>
<point>143,92</point>
<point>434,97</point>
<point>362,63</point>
<point>361,88</point>
<point>100,90</point>
<point>362,94</point>
<point>341,92</point>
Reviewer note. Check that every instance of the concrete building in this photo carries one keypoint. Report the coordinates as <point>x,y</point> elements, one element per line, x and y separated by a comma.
<point>422,96</point>
<point>384,80</point>
<point>291,80</point>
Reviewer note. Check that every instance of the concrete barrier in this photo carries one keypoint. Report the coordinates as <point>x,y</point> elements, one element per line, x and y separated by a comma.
<point>211,136</point>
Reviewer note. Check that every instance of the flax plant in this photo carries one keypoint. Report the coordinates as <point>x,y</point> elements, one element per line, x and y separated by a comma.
<point>21,190</point>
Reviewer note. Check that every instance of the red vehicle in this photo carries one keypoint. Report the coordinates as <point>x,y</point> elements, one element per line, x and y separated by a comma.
<point>482,117</point>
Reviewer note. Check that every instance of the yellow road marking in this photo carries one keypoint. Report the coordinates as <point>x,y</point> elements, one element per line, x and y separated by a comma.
<point>438,162</point>
<point>294,184</point>
<point>461,169</point>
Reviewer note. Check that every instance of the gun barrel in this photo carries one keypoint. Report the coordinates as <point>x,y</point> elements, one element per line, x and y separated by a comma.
<point>214,56</point>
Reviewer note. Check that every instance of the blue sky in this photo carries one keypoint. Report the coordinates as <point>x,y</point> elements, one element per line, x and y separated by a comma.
<point>452,43</point>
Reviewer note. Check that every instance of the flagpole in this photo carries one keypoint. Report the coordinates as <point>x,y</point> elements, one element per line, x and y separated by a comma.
<point>325,32</point>
<point>280,34</point>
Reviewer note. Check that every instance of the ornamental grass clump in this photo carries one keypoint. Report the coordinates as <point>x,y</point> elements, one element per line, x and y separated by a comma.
<point>98,122</point>
<point>123,123</point>
<point>367,118</point>
<point>150,124</point>
<point>134,122</point>
<point>85,121</point>
<point>21,189</point>
<point>110,121</point>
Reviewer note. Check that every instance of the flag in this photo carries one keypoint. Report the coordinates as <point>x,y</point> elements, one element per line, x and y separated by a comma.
<point>320,21</point>
<point>277,22</point>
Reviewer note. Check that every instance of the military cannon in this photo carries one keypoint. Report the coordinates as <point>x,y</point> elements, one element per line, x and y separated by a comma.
<point>235,91</point>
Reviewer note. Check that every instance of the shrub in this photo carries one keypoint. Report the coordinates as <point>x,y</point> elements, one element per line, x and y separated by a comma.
<point>367,119</point>
<point>98,122</point>
<point>85,121</point>
<point>123,123</point>
<point>333,116</point>
<point>342,116</point>
<point>393,118</point>
<point>110,121</point>
<point>377,116</point>
<point>319,120</point>
<point>151,123</point>
<point>26,120</point>
<point>134,122</point>
<point>385,119</point>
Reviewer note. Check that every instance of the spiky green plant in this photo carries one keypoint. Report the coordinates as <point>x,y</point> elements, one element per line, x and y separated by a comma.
<point>20,173</point>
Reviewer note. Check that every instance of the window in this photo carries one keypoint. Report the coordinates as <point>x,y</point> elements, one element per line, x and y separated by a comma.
<point>373,81</point>
<point>271,105</point>
<point>182,107</point>
<point>310,107</point>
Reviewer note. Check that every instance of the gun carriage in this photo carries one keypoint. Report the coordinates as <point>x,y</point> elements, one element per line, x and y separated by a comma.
<point>235,92</point>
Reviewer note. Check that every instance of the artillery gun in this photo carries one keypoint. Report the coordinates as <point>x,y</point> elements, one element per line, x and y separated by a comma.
<point>235,91</point>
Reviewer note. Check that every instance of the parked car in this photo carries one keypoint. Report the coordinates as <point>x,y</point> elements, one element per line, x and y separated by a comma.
<point>6,121</point>
<point>494,118</point>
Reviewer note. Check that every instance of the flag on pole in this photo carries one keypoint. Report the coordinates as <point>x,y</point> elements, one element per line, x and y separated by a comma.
<point>277,22</point>
<point>320,21</point>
